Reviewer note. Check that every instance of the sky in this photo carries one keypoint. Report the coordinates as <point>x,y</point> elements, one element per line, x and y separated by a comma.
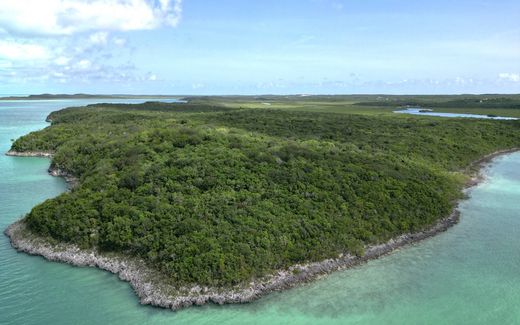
<point>259,47</point>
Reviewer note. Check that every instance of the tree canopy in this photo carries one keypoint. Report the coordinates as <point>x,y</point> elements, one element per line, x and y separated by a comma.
<point>210,194</point>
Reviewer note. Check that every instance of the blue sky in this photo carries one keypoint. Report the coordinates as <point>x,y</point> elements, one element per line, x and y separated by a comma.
<point>259,47</point>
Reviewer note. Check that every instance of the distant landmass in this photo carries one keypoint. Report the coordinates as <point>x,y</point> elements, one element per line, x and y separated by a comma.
<point>80,96</point>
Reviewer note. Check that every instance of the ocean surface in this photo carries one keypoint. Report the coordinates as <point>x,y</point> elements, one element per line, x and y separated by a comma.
<point>421,111</point>
<point>468,275</point>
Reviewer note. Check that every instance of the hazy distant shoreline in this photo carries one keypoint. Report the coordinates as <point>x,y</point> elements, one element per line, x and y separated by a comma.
<point>86,96</point>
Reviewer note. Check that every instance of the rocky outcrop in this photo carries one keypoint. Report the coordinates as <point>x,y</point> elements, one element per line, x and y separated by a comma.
<point>44,154</point>
<point>475,168</point>
<point>72,181</point>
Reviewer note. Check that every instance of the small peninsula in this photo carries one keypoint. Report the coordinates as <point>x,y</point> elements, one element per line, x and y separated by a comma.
<point>224,199</point>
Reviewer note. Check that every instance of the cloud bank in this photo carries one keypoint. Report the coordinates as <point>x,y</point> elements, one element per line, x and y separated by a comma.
<point>66,17</point>
<point>17,51</point>
<point>77,40</point>
<point>513,77</point>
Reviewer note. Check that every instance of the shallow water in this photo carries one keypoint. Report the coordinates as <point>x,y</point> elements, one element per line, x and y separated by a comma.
<point>417,111</point>
<point>468,275</point>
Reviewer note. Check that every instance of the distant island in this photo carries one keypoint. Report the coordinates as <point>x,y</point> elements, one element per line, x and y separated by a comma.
<point>82,96</point>
<point>225,199</point>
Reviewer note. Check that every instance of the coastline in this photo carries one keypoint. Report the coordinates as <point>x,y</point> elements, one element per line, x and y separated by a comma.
<point>152,291</point>
<point>41,154</point>
<point>83,96</point>
<point>71,180</point>
<point>474,170</point>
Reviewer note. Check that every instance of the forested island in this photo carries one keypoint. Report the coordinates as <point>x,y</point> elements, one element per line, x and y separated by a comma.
<point>223,199</point>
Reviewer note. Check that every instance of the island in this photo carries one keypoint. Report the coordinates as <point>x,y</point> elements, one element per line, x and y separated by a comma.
<point>84,96</point>
<point>225,199</point>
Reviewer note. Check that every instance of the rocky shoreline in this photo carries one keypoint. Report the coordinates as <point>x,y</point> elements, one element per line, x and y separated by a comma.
<point>151,290</point>
<point>43,154</point>
<point>72,181</point>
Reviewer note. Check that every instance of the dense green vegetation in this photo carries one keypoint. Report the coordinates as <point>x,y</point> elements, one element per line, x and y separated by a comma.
<point>502,105</point>
<point>219,190</point>
<point>462,101</point>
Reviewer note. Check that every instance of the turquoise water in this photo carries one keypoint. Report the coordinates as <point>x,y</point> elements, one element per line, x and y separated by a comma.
<point>468,275</point>
<point>417,111</point>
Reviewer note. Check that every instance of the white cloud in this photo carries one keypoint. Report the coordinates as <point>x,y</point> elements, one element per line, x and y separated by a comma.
<point>84,64</point>
<point>514,77</point>
<point>99,38</point>
<point>62,60</point>
<point>79,59</point>
<point>35,42</point>
<point>58,74</point>
<point>17,51</point>
<point>119,41</point>
<point>65,17</point>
